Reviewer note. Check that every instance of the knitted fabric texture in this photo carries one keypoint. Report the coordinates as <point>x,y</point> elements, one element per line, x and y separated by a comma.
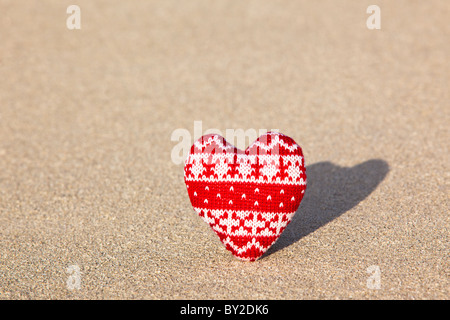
<point>247,197</point>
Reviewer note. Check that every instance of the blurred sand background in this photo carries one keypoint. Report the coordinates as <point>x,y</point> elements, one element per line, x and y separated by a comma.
<point>86,117</point>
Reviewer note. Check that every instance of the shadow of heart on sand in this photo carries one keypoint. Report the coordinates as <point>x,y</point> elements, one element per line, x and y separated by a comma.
<point>331,191</point>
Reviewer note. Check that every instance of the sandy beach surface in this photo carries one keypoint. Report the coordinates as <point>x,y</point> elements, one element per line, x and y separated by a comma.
<point>92,205</point>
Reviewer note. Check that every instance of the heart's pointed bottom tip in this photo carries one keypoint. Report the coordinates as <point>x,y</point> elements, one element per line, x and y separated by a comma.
<point>250,249</point>
<point>248,258</point>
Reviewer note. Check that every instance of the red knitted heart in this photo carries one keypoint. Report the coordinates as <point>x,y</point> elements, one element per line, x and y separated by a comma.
<point>248,198</point>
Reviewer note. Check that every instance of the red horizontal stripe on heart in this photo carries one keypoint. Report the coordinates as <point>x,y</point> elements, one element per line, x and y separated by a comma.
<point>245,196</point>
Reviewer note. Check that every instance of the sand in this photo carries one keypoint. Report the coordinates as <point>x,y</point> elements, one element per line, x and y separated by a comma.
<point>93,207</point>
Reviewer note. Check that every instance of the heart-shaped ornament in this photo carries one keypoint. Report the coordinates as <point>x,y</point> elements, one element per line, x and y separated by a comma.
<point>247,197</point>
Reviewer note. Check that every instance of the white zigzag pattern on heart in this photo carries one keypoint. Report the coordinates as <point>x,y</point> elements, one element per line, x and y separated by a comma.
<point>228,178</point>
<point>225,224</point>
<point>241,250</point>
<point>215,138</point>
<point>275,141</point>
<point>220,143</point>
<point>206,157</point>
<point>222,168</point>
